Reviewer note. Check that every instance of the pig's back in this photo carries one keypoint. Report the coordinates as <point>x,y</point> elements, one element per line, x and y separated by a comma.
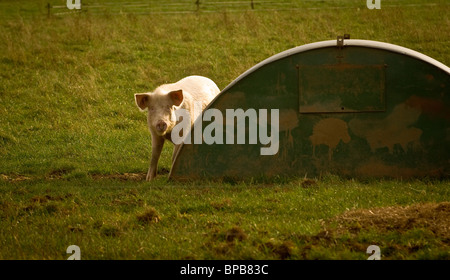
<point>201,88</point>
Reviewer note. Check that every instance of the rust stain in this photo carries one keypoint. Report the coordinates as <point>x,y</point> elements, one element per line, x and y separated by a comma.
<point>322,106</point>
<point>429,77</point>
<point>429,106</point>
<point>232,100</point>
<point>280,88</point>
<point>394,129</point>
<point>329,132</point>
<point>288,120</point>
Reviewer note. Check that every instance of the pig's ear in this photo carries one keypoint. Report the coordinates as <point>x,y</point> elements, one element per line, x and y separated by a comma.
<point>177,97</point>
<point>142,100</point>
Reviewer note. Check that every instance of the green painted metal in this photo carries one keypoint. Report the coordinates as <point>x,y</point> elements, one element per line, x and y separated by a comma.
<point>358,108</point>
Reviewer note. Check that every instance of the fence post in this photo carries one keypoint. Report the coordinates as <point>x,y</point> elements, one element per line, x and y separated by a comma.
<point>49,10</point>
<point>253,7</point>
<point>198,5</point>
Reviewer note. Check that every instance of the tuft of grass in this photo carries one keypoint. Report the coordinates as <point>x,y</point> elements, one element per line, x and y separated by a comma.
<point>235,233</point>
<point>283,249</point>
<point>110,231</point>
<point>148,216</point>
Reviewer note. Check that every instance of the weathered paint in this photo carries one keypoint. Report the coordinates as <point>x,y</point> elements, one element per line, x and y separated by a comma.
<point>365,109</point>
<point>329,132</point>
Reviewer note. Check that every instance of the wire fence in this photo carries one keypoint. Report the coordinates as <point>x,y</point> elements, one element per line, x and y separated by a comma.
<point>213,6</point>
<point>163,7</point>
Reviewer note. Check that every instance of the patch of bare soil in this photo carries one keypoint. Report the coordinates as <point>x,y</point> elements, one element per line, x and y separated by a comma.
<point>128,176</point>
<point>121,177</point>
<point>150,215</point>
<point>13,178</point>
<point>432,216</point>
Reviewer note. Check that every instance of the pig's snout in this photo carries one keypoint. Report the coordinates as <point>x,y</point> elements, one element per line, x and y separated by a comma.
<point>161,126</point>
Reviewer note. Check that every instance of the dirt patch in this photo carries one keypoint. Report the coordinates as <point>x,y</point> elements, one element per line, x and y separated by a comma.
<point>235,233</point>
<point>13,178</point>
<point>128,176</point>
<point>223,242</point>
<point>222,204</point>
<point>282,249</point>
<point>46,198</point>
<point>60,175</point>
<point>121,177</point>
<point>432,216</point>
<point>419,231</point>
<point>308,183</point>
<point>149,216</point>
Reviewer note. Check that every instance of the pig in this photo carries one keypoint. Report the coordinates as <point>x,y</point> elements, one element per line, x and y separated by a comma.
<point>161,105</point>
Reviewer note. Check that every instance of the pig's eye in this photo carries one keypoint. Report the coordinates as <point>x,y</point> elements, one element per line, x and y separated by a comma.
<point>151,108</point>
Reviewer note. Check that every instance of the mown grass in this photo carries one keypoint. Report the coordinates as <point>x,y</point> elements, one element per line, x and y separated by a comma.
<point>69,125</point>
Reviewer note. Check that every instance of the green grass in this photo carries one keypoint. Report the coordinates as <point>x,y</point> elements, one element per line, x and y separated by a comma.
<point>109,219</point>
<point>69,126</point>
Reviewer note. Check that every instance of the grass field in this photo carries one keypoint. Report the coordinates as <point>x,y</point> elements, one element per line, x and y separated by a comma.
<point>74,148</point>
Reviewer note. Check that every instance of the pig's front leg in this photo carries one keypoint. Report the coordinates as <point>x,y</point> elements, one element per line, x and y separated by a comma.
<point>157,145</point>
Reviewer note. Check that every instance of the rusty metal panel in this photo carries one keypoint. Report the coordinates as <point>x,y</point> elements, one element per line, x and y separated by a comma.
<point>361,109</point>
<point>341,88</point>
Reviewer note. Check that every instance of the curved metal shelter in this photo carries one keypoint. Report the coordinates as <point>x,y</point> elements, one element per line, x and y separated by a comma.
<point>349,107</point>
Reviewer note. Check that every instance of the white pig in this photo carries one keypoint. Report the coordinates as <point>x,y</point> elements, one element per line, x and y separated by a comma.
<point>161,105</point>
